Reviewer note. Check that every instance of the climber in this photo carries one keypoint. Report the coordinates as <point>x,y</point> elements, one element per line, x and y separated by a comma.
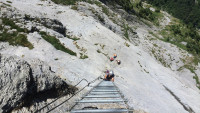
<point>115,55</point>
<point>111,59</point>
<point>109,76</point>
<point>118,62</point>
<point>107,72</point>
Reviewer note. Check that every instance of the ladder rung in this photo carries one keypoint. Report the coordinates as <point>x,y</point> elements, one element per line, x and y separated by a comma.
<point>103,93</point>
<point>104,90</point>
<point>102,96</point>
<point>100,111</point>
<point>101,101</point>
<point>106,85</point>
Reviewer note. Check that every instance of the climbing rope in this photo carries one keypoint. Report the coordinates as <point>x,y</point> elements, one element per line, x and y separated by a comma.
<point>88,83</point>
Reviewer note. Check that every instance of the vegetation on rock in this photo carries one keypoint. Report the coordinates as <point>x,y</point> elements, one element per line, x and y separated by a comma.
<point>186,10</point>
<point>56,43</point>
<point>14,35</point>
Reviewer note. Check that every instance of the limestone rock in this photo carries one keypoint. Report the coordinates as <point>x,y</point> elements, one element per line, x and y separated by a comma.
<point>22,84</point>
<point>14,82</point>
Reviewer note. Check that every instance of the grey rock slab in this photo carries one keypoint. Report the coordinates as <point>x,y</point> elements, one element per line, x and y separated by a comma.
<point>23,83</point>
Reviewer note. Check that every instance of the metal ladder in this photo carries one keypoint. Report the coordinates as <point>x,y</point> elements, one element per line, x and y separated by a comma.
<point>103,98</point>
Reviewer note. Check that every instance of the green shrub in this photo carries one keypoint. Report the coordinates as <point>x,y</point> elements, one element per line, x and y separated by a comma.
<point>7,4</point>
<point>127,5</point>
<point>197,79</point>
<point>1,27</point>
<point>155,35</point>
<point>97,3</point>
<point>73,37</point>
<point>56,43</point>
<point>126,44</point>
<point>89,1</point>
<point>9,1</point>
<point>65,2</point>
<point>105,10</point>
<point>101,19</point>
<point>181,33</point>
<point>83,56</point>
<point>98,51</point>
<point>157,10</point>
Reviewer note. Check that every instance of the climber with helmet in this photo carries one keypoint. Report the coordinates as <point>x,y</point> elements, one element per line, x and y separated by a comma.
<point>118,62</point>
<point>107,73</point>
<point>115,55</point>
<point>109,76</point>
<point>111,59</point>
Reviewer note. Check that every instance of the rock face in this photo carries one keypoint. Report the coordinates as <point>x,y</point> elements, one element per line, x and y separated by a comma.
<point>24,83</point>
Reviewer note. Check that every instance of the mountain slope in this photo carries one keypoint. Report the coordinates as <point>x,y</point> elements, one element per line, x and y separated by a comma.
<point>143,77</point>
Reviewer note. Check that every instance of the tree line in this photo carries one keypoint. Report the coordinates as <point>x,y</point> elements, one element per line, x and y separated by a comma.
<point>186,10</point>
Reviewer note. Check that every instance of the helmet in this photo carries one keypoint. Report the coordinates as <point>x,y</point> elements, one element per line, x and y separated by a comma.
<point>107,71</point>
<point>111,72</point>
<point>111,59</point>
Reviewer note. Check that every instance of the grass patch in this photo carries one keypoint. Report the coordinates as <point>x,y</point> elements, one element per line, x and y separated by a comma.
<point>99,4</point>
<point>139,64</point>
<point>73,37</point>
<point>102,46</point>
<point>163,62</point>
<point>59,12</point>
<point>179,33</point>
<point>153,34</point>
<point>98,51</point>
<point>105,10</point>
<point>74,7</point>
<point>56,43</point>
<point>83,56</point>
<point>65,2</point>
<point>126,29</point>
<point>147,14</point>
<point>192,69</point>
<point>9,2</point>
<point>138,9</point>
<point>15,39</point>
<point>106,55</point>
<point>159,57</point>
<point>127,5</point>
<point>12,24</point>
<point>126,44</point>
<point>197,81</point>
<point>101,19</point>
<point>155,45</point>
